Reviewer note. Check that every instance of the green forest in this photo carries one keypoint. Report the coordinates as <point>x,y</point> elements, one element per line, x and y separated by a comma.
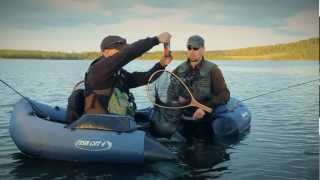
<point>300,50</point>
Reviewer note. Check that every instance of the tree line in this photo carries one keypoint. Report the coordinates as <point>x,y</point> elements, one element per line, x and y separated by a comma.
<point>301,50</point>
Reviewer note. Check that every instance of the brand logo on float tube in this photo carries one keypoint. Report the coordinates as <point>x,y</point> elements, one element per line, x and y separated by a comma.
<point>245,115</point>
<point>93,144</point>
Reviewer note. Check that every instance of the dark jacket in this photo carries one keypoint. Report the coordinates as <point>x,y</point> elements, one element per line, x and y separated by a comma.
<point>205,81</point>
<point>105,72</point>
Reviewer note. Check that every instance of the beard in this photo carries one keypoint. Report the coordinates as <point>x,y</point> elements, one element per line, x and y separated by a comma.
<point>194,59</point>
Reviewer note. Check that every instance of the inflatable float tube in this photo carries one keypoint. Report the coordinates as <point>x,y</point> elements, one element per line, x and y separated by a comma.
<point>232,119</point>
<point>41,132</point>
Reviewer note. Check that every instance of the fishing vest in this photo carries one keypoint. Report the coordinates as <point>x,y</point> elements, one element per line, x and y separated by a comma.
<point>121,100</point>
<point>201,85</point>
<point>116,100</point>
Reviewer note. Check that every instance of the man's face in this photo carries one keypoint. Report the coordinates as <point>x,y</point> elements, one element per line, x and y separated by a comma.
<point>195,54</point>
<point>109,52</point>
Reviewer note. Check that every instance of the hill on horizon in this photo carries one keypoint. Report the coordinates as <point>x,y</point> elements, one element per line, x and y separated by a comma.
<point>300,50</point>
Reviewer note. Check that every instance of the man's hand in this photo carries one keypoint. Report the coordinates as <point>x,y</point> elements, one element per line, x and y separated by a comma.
<point>164,37</point>
<point>198,114</point>
<point>165,60</point>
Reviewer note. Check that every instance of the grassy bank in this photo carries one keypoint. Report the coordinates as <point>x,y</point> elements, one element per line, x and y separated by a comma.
<point>27,54</point>
<point>300,50</point>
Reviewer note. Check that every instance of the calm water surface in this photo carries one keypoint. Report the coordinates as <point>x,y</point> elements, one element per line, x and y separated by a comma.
<point>283,142</point>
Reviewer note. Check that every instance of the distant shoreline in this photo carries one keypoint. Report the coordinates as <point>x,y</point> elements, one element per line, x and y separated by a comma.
<point>175,59</point>
<point>300,50</point>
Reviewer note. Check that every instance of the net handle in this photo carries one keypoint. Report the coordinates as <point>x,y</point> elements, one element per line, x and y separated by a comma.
<point>193,103</point>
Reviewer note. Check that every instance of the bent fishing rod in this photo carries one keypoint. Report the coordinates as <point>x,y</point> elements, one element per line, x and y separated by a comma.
<point>33,106</point>
<point>282,89</point>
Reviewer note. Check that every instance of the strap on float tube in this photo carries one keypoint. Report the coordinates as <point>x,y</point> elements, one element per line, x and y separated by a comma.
<point>288,87</point>
<point>33,106</point>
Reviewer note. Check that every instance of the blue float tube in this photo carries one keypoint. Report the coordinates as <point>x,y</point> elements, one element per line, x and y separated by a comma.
<point>231,119</point>
<point>49,137</point>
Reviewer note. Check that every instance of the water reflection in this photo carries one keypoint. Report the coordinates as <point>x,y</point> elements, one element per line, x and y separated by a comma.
<point>49,169</point>
<point>204,157</point>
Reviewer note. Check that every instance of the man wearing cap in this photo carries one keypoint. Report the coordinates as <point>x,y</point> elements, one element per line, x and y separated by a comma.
<point>206,82</point>
<point>107,84</point>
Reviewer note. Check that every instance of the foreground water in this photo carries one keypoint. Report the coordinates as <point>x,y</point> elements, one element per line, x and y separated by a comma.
<point>283,142</point>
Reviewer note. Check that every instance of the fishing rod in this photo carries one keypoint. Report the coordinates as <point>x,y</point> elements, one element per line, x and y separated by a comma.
<point>282,89</point>
<point>35,109</point>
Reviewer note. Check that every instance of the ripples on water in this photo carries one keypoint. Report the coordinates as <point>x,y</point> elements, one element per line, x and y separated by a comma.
<point>283,141</point>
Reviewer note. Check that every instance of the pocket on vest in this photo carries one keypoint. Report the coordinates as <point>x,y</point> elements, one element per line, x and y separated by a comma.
<point>118,102</point>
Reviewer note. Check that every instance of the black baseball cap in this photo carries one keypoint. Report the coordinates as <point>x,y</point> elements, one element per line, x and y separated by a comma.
<point>113,42</point>
<point>195,41</point>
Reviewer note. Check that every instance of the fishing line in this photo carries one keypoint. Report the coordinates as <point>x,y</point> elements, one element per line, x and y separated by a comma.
<point>35,109</point>
<point>282,89</point>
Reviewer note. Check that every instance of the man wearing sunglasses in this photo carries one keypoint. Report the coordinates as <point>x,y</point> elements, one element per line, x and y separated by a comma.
<point>206,82</point>
<point>107,84</point>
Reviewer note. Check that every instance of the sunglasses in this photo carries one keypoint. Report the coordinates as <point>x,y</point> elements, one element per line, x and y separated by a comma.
<point>194,48</point>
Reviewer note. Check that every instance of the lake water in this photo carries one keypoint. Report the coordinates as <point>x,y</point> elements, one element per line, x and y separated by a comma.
<point>283,142</point>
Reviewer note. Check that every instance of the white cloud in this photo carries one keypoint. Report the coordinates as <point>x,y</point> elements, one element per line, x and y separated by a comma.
<point>87,37</point>
<point>81,5</point>
<point>217,37</point>
<point>77,38</point>
<point>306,22</point>
<point>145,10</point>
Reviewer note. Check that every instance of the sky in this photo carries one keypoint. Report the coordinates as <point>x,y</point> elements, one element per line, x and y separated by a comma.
<point>80,25</point>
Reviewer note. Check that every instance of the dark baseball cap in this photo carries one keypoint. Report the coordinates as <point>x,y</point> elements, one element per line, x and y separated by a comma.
<point>112,41</point>
<point>195,41</point>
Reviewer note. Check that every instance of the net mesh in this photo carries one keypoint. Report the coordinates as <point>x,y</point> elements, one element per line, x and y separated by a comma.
<point>166,90</point>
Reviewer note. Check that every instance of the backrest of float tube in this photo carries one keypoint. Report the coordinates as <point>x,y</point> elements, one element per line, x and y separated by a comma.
<point>109,122</point>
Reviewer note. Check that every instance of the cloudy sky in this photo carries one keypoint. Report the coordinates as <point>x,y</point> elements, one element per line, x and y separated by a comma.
<point>79,25</point>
